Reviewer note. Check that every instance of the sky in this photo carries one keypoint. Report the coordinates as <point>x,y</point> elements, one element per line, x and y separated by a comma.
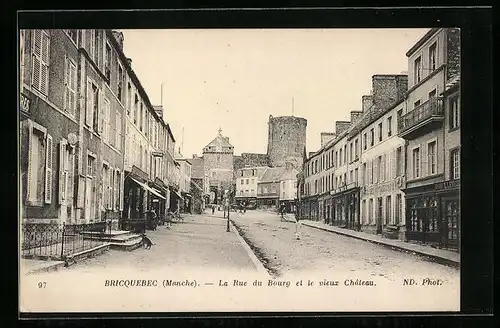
<point>233,79</point>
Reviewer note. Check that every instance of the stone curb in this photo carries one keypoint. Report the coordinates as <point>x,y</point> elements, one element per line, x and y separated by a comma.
<point>50,268</point>
<point>257,264</point>
<point>436,258</point>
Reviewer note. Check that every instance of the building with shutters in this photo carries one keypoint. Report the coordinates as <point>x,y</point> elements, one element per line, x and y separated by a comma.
<point>185,175</point>
<point>50,116</point>
<point>428,125</point>
<point>247,180</point>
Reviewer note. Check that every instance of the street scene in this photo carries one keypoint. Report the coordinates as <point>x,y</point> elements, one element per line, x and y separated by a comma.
<point>217,156</point>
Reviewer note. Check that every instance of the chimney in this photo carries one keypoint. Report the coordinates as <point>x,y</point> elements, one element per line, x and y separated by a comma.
<point>119,38</point>
<point>129,60</point>
<point>367,102</point>
<point>341,126</point>
<point>355,115</point>
<point>388,89</point>
<point>195,156</point>
<point>326,137</point>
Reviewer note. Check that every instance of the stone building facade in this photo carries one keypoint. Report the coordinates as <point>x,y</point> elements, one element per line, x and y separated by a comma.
<point>286,138</point>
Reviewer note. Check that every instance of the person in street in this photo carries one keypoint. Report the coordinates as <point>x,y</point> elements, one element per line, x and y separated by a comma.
<point>213,209</point>
<point>282,211</point>
<point>298,225</point>
<point>244,207</point>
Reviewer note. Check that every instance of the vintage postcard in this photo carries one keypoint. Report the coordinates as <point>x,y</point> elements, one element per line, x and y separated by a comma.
<point>220,170</point>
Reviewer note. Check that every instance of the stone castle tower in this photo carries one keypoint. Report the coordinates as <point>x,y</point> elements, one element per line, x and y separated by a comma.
<point>218,163</point>
<point>286,140</point>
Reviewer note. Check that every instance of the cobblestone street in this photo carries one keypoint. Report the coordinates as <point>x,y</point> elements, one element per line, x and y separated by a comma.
<point>321,251</point>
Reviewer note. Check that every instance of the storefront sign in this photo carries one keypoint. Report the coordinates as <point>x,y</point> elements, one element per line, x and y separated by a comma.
<point>381,188</point>
<point>24,103</point>
<point>452,184</point>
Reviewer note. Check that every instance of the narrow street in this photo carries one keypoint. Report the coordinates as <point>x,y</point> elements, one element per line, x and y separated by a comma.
<point>199,243</point>
<point>320,251</point>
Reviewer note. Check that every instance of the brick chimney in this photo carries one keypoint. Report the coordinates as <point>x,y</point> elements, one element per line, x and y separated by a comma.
<point>326,137</point>
<point>388,89</point>
<point>355,114</point>
<point>367,102</point>
<point>341,126</point>
<point>119,38</point>
<point>195,156</point>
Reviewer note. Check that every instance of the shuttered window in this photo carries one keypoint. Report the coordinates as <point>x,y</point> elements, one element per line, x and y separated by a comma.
<point>118,130</point>
<point>106,129</point>
<point>40,61</point>
<point>70,87</point>
<point>36,167</point>
<point>63,171</point>
<point>89,110</point>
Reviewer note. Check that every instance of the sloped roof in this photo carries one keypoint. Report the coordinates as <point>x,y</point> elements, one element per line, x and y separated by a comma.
<point>272,174</point>
<point>196,185</point>
<point>219,141</point>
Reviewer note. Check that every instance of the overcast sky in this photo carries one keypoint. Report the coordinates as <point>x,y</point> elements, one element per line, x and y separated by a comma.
<point>234,79</point>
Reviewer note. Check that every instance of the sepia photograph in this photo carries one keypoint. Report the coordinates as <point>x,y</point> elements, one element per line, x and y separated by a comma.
<point>221,170</point>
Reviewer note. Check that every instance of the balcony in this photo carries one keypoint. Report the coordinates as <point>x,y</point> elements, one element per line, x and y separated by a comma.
<point>421,120</point>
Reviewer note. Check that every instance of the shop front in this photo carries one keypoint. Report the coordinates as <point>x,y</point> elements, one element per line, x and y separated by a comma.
<point>158,198</point>
<point>345,207</point>
<point>433,213</point>
<point>187,202</point>
<point>176,200</point>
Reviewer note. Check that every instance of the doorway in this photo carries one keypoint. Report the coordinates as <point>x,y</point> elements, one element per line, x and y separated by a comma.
<point>379,215</point>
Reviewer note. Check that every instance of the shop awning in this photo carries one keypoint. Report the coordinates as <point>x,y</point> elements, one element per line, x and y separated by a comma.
<point>177,193</point>
<point>148,188</point>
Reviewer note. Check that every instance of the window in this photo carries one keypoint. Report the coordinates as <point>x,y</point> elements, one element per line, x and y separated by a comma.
<point>432,57</point>
<point>136,108</point>
<point>431,157</point>
<point>246,181</point>
<point>118,190</point>
<point>432,94</point>
<point>90,165</point>
<point>416,104</point>
<point>337,158</point>
<point>372,171</point>
<point>356,176</point>
<point>340,158</point>
<point>70,87</point>
<point>129,99</point>
<point>92,94</point>
<point>455,164</point>
<point>97,48</point>
<point>399,115</point>
<point>106,128</point>
<point>372,134</point>
<point>241,174</point>
<point>118,122</point>
<point>351,177</point>
<point>388,210</point>
<point>253,173</point>
<point>120,83</point>
<point>351,158</point>
<point>39,174</point>
<point>40,61</point>
<point>363,212</point>
<point>356,149</point>
<point>345,154</point>
<point>389,126</point>
<point>365,142</point>
<point>380,169</point>
<point>399,161</point>
<point>399,209</point>
<point>141,121</point>
<point>96,103</point>
<point>106,186</point>
<point>107,63</point>
<point>416,70</point>
<point>454,113</point>
<point>416,163</point>
<point>380,131</point>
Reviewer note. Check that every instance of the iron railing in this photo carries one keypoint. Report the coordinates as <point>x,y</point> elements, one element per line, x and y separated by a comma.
<point>432,107</point>
<point>57,241</point>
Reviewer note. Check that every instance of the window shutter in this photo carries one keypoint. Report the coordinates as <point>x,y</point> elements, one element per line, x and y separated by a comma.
<point>72,87</point>
<point>376,170</point>
<point>29,191</point>
<point>48,170</point>
<point>66,82</point>
<point>100,111</point>
<point>112,187</point>
<point>62,173</point>
<point>424,158</point>
<point>385,176</point>
<point>90,102</point>
<point>36,58</point>
<point>71,179</point>
<point>44,69</point>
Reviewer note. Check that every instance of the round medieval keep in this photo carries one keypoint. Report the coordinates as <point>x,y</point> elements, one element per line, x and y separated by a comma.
<point>286,140</point>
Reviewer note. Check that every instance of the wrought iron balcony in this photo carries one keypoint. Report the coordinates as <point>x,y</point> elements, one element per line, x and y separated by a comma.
<point>424,118</point>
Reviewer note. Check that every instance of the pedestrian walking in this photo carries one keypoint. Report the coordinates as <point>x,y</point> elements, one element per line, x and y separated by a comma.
<point>298,226</point>
<point>244,207</point>
<point>282,211</point>
<point>213,209</point>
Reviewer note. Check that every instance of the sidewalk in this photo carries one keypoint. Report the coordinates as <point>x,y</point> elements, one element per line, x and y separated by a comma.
<point>28,266</point>
<point>438,255</point>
